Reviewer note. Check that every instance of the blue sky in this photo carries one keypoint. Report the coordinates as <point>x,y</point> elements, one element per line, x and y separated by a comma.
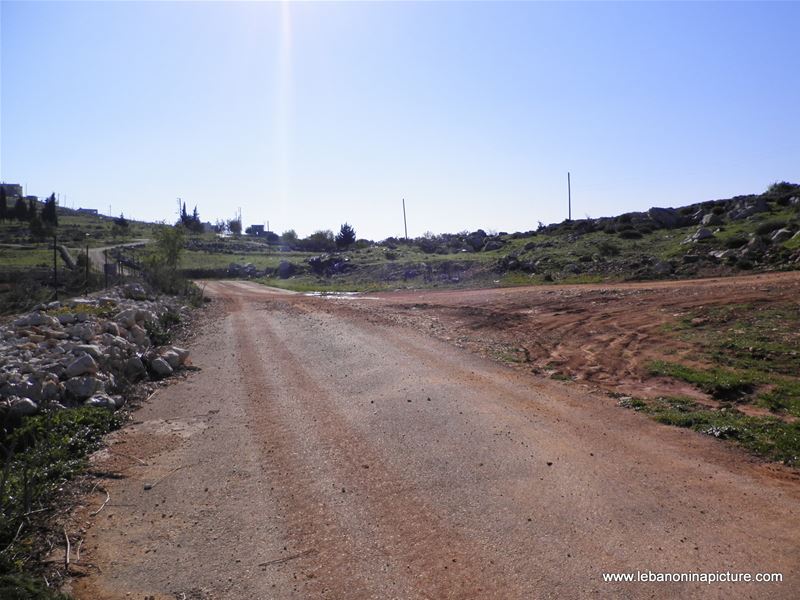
<point>312,114</point>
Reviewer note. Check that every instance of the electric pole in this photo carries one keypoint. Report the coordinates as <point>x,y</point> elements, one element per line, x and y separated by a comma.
<point>405,224</point>
<point>569,198</point>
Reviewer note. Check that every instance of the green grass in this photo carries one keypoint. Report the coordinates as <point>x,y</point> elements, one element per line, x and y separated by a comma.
<point>767,437</point>
<point>26,257</point>
<point>759,346</point>
<point>39,455</point>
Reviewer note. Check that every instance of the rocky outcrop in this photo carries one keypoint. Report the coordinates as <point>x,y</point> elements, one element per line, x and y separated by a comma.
<point>85,351</point>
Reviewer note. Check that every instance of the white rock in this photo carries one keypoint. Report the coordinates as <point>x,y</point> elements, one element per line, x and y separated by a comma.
<point>81,366</point>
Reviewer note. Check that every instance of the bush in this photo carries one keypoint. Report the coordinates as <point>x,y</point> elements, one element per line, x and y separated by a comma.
<point>737,241</point>
<point>769,226</point>
<point>630,234</point>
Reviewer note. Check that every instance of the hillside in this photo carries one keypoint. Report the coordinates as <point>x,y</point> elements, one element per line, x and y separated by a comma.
<point>716,237</point>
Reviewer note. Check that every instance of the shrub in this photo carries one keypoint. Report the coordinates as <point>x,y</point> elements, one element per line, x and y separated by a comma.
<point>769,226</point>
<point>630,234</point>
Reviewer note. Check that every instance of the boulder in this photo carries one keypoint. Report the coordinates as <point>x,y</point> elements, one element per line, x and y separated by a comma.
<point>23,407</point>
<point>82,387</point>
<point>139,336</point>
<point>285,269</point>
<point>160,367</point>
<point>662,267</point>
<point>700,234</point>
<point>711,219</point>
<point>134,369</point>
<point>127,317</point>
<point>134,291</point>
<point>82,365</point>
<point>51,390</point>
<point>101,401</point>
<point>175,356</point>
<point>493,245</point>
<point>38,318</point>
<point>782,235</point>
<point>92,350</point>
<point>82,331</point>
<point>664,217</point>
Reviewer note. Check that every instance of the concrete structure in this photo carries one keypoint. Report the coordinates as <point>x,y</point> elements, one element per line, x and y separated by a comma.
<point>13,190</point>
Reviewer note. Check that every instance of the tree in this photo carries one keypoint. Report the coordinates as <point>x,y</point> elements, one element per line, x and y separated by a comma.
<point>3,204</point>
<point>289,237</point>
<point>169,243</point>
<point>346,237</point>
<point>235,227</point>
<point>20,210</point>
<point>320,241</point>
<point>37,230</point>
<point>33,210</point>
<point>120,226</point>
<point>49,215</point>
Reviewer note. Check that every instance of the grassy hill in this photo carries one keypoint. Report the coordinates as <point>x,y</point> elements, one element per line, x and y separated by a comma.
<point>717,237</point>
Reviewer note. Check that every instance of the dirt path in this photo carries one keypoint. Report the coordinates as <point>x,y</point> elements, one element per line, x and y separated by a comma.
<point>320,452</point>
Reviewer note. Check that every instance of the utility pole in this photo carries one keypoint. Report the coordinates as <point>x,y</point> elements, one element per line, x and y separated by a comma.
<point>179,208</point>
<point>569,198</point>
<point>405,224</point>
<point>55,266</point>
<point>86,284</point>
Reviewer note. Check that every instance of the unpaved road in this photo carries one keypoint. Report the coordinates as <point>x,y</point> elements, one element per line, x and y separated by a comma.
<point>323,452</point>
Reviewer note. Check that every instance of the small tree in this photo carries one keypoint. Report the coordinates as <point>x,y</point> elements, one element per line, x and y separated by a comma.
<point>36,228</point>
<point>49,215</point>
<point>3,204</point>
<point>169,243</point>
<point>235,227</point>
<point>346,237</point>
<point>20,210</point>
<point>33,209</point>
<point>120,226</point>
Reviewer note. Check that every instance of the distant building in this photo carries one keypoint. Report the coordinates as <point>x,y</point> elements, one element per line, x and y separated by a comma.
<point>208,227</point>
<point>13,190</point>
<point>87,211</point>
<point>256,230</point>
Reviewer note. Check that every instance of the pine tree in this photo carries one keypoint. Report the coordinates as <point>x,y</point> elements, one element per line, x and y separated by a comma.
<point>33,210</point>
<point>3,205</point>
<point>20,210</point>
<point>346,236</point>
<point>49,215</point>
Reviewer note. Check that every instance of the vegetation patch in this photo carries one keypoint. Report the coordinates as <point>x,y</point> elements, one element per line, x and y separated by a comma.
<point>767,437</point>
<point>39,454</point>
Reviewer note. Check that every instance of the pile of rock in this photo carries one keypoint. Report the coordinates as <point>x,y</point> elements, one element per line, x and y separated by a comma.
<point>85,351</point>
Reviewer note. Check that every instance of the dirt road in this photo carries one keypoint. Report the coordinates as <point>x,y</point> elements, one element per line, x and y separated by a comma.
<point>323,452</point>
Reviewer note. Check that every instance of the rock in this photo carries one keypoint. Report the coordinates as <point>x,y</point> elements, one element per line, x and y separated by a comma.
<point>126,318</point>
<point>160,367</point>
<point>493,245</point>
<point>285,269</point>
<point>82,331</point>
<point>711,219</point>
<point>82,387</point>
<point>699,235</point>
<point>94,351</point>
<point>134,291</point>
<point>662,267</point>
<point>722,254</point>
<point>134,369</point>
<point>139,336</point>
<point>101,401</point>
<point>664,217</point>
<point>66,318</point>
<point>23,407</point>
<point>82,365</point>
<point>37,319</point>
<point>782,235</point>
<point>175,356</point>
<point>51,391</point>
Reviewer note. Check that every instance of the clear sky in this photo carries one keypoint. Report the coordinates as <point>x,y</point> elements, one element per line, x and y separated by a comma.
<point>312,114</point>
